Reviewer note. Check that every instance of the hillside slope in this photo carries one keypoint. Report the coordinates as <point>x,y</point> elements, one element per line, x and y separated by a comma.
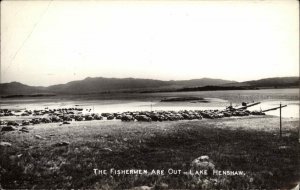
<point>275,82</point>
<point>100,84</point>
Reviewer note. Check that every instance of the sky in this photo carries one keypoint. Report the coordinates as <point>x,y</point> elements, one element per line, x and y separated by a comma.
<point>52,42</point>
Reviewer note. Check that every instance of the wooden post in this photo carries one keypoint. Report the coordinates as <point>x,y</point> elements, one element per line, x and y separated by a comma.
<point>280,118</point>
<point>299,125</point>
<point>299,132</point>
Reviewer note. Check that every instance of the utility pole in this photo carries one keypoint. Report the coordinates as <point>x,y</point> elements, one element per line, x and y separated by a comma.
<point>280,119</point>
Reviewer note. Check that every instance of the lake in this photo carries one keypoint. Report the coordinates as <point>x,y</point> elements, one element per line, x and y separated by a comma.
<point>119,102</point>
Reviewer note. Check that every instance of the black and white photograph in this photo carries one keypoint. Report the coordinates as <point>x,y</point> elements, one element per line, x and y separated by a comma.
<point>149,95</point>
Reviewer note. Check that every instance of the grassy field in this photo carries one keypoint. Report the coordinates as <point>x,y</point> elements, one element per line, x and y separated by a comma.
<point>249,144</point>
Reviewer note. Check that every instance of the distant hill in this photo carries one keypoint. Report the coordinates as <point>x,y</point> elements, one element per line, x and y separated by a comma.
<point>100,84</point>
<point>276,82</point>
<point>19,88</point>
<point>200,82</point>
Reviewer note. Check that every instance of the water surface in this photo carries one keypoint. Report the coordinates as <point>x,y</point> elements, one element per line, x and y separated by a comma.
<point>269,98</point>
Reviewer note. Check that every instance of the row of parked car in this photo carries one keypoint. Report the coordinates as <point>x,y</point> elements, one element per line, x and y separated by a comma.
<point>67,115</point>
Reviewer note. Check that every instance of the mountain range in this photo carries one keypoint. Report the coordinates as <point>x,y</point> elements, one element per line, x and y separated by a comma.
<point>100,84</point>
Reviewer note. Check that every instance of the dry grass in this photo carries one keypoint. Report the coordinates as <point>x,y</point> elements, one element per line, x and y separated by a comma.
<point>249,144</point>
